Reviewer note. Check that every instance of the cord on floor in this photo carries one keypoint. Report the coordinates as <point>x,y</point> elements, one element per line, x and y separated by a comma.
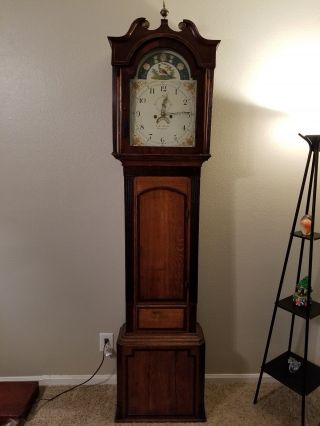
<point>106,352</point>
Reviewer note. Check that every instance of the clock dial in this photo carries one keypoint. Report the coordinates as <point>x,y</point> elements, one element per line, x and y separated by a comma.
<point>163,102</point>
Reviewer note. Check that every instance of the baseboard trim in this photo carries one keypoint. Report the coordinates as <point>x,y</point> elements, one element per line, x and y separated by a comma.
<point>57,380</point>
<point>237,378</point>
<point>111,379</point>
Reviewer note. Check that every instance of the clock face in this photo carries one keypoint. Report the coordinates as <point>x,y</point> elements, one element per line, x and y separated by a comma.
<point>163,102</point>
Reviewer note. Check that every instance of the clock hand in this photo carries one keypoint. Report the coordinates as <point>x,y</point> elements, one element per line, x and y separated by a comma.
<point>163,113</point>
<point>164,105</point>
<point>179,113</point>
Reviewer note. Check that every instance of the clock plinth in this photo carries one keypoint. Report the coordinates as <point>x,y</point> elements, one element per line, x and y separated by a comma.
<point>162,106</point>
<point>160,377</point>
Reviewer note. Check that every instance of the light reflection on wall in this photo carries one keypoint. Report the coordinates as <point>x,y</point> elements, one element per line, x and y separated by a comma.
<point>287,80</point>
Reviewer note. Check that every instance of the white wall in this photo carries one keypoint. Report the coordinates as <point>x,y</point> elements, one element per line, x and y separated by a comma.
<point>61,215</point>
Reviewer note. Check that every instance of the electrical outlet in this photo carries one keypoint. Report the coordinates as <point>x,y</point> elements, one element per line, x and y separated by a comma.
<point>103,337</point>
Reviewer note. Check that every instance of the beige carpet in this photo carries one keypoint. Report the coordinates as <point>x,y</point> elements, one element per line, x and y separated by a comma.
<point>226,405</point>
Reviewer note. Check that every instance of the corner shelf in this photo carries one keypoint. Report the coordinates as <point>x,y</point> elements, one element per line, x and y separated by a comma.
<point>300,311</point>
<point>307,378</point>
<point>278,369</point>
<point>299,234</point>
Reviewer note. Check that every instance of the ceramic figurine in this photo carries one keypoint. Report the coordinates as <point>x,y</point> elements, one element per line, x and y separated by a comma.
<point>301,293</point>
<point>305,224</point>
<point>294,365</point>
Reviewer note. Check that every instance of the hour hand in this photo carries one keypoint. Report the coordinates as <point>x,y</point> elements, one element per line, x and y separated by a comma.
<point>164,105</point>
<point>163,112</point>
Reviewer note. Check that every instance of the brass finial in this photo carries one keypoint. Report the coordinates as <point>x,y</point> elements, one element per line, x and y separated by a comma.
<point>164,11</point>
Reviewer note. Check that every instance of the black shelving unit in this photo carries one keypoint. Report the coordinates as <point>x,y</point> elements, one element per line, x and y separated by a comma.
<point>307,378</point>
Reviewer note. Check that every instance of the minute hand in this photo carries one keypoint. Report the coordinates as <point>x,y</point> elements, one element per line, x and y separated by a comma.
<point>179,113</point>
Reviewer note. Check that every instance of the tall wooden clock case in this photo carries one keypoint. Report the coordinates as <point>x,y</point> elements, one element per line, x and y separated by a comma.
<point>162,106</point>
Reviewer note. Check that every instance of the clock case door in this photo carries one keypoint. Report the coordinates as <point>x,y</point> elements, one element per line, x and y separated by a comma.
<point>127,53</point>
<point>162,216</point>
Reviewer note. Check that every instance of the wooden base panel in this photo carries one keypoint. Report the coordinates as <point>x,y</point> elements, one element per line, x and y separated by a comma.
<point>160,377</point>
<point>16,399</point>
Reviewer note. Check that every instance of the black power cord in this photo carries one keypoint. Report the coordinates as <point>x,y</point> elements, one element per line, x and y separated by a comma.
<point>105,347</point>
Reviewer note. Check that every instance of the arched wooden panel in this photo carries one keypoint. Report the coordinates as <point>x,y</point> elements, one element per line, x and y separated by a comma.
<point>163,239</point>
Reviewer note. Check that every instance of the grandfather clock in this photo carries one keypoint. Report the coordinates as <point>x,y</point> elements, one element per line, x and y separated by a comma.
<point>162,105</point>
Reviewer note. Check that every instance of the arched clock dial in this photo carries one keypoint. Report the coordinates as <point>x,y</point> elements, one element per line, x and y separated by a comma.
<point>163,102</point>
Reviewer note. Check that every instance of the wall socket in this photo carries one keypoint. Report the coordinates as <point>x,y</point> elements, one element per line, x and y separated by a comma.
<point>102,337</point>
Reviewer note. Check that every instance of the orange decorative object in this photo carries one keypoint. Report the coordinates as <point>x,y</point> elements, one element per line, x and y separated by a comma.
<point>305,224</point>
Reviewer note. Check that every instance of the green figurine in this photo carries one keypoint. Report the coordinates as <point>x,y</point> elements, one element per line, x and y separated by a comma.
<point>301,293</point>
